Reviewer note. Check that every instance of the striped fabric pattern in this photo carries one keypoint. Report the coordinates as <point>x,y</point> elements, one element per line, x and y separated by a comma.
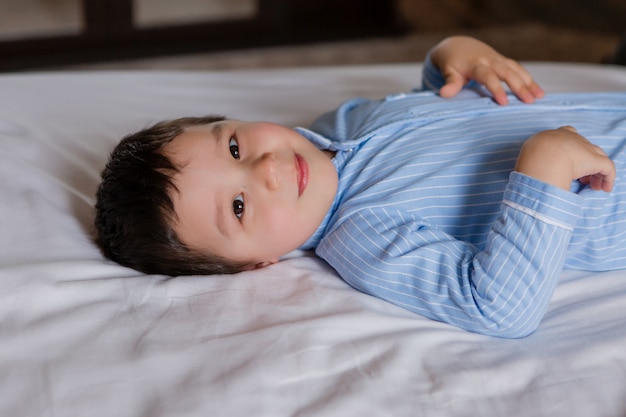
<point>430,216</point>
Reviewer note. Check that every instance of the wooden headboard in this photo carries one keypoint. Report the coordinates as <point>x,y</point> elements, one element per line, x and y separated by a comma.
<point>109,31</point>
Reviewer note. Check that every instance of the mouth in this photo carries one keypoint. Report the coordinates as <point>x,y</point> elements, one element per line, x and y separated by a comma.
<point>302,173</point>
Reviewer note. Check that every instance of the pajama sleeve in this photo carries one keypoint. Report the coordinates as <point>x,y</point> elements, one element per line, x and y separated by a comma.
<point>432,79</point>
<point>501,290</point>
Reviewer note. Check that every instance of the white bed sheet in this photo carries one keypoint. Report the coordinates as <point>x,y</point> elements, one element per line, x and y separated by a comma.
<point>81,336</point>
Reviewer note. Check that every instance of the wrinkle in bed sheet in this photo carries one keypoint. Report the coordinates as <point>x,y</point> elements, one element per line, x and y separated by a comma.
<point>81,336</point>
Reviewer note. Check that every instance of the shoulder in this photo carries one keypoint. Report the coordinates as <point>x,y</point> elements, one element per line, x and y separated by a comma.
<point>369,227</point>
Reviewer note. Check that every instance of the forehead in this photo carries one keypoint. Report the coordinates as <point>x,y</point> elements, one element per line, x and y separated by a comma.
<point>196,184</point>
<point>191,141</point>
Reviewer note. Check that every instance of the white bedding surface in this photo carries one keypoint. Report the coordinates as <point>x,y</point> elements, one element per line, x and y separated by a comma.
<point>81,336</point>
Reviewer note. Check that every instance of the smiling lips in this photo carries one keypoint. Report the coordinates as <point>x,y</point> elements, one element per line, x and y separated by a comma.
<point>302,173</point>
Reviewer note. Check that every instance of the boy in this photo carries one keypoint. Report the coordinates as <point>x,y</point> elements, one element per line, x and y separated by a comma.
<point>459,210</point>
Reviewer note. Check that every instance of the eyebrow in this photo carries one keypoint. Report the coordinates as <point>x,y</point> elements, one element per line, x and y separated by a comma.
<point>217,129</point>
<point>220,217</point>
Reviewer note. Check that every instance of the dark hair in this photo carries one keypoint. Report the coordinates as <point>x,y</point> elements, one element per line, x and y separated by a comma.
<point>134,210</point>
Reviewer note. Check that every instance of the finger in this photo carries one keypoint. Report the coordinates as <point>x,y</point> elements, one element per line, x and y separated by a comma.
<point>607,185</point>
<point>454,84</point>
<point>516,78</point>
<point>519,70</point>
<point>523,73</point>
<point>608,180</point>
<point>531,84</point>
<point>601,183</point>
<point>536,90</point>
<point>595,182</point>
<point>605,178</point>
<point>490,79</point>
<point>598,182</point>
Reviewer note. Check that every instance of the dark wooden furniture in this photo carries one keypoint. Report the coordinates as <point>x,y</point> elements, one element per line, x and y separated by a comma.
<point>110,32</point>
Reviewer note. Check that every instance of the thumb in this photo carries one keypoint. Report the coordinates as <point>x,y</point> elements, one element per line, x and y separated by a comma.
<point>454,84</point>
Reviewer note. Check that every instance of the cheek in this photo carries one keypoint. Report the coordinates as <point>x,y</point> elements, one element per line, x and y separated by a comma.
<point>282,228</point>
<point>277,219</point>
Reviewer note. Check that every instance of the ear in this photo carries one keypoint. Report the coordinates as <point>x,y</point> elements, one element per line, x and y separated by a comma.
<point>264,264</point>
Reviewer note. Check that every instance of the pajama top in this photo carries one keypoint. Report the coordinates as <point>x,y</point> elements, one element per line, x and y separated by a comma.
<point>429,214</point>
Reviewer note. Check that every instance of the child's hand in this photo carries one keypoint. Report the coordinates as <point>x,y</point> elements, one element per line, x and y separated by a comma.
<point>461,59</point>
<point>560,156</point>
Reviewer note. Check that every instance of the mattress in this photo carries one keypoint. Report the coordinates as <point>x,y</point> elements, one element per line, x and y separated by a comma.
<point>83,336</point>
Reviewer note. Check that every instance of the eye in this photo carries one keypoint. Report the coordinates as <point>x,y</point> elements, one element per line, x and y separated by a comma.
<point>238,206</point>
<point>234,147</point>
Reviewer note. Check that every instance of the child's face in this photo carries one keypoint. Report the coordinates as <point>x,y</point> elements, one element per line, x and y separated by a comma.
<point>249,192</point>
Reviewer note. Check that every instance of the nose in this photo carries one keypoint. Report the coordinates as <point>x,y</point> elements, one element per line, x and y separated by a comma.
<point>266,171</point>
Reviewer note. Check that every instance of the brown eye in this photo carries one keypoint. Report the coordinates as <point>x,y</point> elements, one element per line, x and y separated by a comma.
<point>234,147</point>
<point>238,206</point>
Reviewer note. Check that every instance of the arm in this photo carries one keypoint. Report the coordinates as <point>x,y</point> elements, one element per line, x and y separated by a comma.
<point>502,289</point>
<point>560,156</point>
<point>462,59</point>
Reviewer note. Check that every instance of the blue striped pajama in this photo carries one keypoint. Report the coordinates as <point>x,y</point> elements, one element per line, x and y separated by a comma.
<point>430,216</point>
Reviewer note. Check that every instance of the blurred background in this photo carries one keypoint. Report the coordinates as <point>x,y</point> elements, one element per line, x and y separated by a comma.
<point>233,34</point>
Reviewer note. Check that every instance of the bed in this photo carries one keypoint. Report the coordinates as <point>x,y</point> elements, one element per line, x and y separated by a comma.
<point>82,336</point>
